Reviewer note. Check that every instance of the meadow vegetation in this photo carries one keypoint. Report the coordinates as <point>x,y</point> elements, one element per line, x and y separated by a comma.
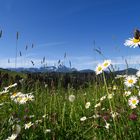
<point>105,109</point>
<point>108,110</point>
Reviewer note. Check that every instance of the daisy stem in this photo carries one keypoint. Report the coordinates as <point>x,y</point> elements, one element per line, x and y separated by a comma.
<point>71,111</point>
<point>108,99</point>
<point>16,50</point>
<point>63,114</point>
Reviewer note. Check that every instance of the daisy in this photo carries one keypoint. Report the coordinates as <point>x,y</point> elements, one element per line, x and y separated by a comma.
<point>139,93</point>
<point>106,64</point>
<point>130,80</point>
<point>30,97</point>
<point>38,121</point>
<point>44,116</point>
<point>138,73</point>
<point>107,125</point>
<point>47,131</point>
<point>114,114</point>
<point>114,87</point>
<point>87,105</point>
<point>83,118</point>
<point>118,76</point>
<point>21,100</point>
<point>127,93</point>
<point>132,42</point>
<point>16,94</point>
<point>99,69</point>
<point>95,116</point>
<point>133,101</point>
<point>31,116</point>
<point>97,105</point>
<point>28,125</point>
<point>110,96</point>
<point>12,137</point>
<point>102,98</point>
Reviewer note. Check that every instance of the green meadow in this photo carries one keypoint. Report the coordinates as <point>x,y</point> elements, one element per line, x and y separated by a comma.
<point>101,111</point>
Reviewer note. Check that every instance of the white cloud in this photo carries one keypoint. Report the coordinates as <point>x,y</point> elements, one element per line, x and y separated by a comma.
<point>83,62</point>
<point>89,62</point>
<point>23,62</point>
<point>50,44</point>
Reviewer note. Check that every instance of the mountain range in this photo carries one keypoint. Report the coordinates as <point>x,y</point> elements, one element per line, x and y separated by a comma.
<point>61,68</point>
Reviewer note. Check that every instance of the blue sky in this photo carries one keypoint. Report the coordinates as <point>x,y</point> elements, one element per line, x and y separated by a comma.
<point>72,26</point>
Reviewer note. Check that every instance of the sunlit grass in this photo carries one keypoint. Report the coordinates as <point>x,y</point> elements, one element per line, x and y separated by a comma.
<point>106,109</point>
<point>62,113</point>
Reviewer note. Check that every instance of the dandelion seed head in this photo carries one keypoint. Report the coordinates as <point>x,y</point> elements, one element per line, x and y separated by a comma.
<point>71,98</point>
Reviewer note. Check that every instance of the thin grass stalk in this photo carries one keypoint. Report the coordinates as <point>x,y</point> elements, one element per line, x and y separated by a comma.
<point>1,34</point>
<point>63,114</point>
<point>17,36</point>
<point>109,99</point>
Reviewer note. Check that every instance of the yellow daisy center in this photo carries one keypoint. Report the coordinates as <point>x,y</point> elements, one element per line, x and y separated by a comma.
<point>19,99</point>
<point>99,68</point>
<point>134,102</point>
<point>105,64</point>
<point>136,40</point>
<point>130,81</point>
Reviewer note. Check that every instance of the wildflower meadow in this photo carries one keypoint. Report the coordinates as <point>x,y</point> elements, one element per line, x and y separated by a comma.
<point>107,109</point>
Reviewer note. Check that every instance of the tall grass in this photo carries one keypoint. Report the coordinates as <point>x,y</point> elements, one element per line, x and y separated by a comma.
<point>52,115</point>
<point>59,119</point>
<point>17,37</point>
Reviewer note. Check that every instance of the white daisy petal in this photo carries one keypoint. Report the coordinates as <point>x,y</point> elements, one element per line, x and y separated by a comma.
<point>132,42</point>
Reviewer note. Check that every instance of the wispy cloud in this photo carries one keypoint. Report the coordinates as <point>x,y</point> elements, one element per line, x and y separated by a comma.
<point>50,44</point>
<point>120,62</point>
<point>23,62</point>
<point>83,62</point>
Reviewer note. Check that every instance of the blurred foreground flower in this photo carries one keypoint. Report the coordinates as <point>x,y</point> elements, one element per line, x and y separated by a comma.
<point>13,85</point>
<point>12,137</point>
<point>4,91</point>
<point>132,42</point>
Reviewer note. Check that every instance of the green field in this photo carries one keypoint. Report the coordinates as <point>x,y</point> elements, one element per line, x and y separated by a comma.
<point>99,112</point>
